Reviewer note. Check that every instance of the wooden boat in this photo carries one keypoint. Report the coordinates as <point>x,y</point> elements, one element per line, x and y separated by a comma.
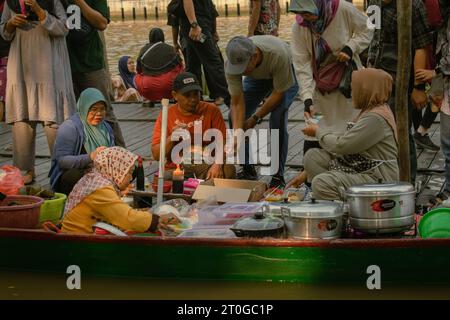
<point>404,260</point>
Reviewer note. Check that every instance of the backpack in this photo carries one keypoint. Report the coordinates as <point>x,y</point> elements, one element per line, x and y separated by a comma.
<point>175,7</point>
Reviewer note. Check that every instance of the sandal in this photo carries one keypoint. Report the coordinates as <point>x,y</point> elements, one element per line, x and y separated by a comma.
<point>28,177</point>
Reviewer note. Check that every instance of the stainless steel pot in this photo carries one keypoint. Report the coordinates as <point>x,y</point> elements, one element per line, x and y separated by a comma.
<point>313,220</point>
<point>387,207</point>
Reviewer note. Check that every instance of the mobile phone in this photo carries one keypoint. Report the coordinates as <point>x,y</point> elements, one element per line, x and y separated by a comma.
<point>202,38</point>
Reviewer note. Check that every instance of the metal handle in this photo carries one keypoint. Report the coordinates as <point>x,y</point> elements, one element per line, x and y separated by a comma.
<point>284,210</point>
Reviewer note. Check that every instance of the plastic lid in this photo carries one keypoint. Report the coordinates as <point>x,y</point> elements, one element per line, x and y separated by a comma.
<point>259,222</point>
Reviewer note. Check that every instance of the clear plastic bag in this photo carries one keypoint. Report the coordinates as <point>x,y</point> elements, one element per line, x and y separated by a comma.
<point>11,180</point>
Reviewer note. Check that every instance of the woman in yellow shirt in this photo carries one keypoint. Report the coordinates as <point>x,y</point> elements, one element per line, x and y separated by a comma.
<point>96,197</point>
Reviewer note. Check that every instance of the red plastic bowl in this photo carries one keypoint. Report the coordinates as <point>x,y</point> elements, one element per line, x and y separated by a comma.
<point>166,187</point>
<point>24,216</point>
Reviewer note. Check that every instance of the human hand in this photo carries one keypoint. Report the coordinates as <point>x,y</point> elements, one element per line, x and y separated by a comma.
<point>310,114</point>
<point>310,130</point>
<point>419,99</point>
<point>215,171</point>
<point>249,123</point>
<point>423,75</point>
<point>168,218</point>
<point>94,153</point>
<point>19,20</point>
<point>195,33</point>
<point>297,181</point>
<point>343,57</point>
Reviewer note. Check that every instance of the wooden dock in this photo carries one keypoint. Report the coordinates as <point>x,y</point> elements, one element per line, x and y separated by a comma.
<point>137,124</point>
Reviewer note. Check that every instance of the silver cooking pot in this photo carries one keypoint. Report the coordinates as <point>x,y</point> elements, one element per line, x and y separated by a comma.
<point>316,219</point>
<point>382,207</point>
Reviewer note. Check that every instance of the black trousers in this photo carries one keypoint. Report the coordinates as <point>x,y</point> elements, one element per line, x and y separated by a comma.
<point>208,55</point>
<point>68,180</point>
<point>423,119</point>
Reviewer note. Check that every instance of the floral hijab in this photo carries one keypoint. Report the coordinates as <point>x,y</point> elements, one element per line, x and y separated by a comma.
<point>326,11</point>
<point>110,168</point>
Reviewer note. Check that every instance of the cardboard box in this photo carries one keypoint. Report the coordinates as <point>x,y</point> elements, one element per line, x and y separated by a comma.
<point>229,190</point>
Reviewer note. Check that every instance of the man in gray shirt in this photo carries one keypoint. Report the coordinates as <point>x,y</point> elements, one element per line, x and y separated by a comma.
<point>266,63</point>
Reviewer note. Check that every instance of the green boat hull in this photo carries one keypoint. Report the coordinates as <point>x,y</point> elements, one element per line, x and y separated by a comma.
<point>344,260</point>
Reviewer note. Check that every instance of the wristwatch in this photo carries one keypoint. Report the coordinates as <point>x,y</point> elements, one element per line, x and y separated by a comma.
<point>257,119</point>
<point>420,86</point>
<point>194,25</point>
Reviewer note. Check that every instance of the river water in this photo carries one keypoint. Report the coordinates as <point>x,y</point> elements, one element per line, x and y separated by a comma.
<point>128,37</point>
<point>23,285</point>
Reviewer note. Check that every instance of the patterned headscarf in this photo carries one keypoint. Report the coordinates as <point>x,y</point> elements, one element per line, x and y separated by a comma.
<point>110,168</point>
<point>325,10</point>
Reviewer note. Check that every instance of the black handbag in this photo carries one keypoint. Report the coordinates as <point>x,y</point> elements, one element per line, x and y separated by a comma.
<point>345,86</point>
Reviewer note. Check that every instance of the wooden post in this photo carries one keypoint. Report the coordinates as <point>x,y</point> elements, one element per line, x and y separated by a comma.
<point>134,13</point>
<point>145,13</point>
<point>404,27</point>
<point>123,13</point>
<point>156,13</point>
<point>238,9</point>
<point>226,10</point>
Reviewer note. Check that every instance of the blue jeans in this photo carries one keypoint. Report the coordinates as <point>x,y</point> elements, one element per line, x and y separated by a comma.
<point>254,92</point>
<point>445,145</point>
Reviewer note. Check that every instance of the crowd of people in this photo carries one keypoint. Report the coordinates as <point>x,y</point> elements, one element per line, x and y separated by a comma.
<point>349,100</point>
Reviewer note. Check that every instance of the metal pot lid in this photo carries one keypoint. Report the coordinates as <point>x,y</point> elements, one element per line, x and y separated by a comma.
<point>259,222</point>
<point>381,189</point>
<point>315,209</point>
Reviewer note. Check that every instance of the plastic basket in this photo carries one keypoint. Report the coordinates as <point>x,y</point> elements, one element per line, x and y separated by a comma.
<point>25,215</point>
<point>52,210</point>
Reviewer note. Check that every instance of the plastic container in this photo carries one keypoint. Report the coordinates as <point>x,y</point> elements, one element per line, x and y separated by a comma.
<point>435,224</point>
<point>24,216</point>
<point>190,186</point>
<point>228,213</point>
<point>52,210</point>
<point>220,233</point>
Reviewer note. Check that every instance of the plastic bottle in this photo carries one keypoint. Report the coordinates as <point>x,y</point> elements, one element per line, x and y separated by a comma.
<point>140,177</point>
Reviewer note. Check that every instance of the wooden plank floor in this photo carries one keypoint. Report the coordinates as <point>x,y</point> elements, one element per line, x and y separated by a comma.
<point>137,124</point>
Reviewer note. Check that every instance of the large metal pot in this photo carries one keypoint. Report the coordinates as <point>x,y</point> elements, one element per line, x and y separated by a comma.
<point>313,220</point>
<point>381,208</point>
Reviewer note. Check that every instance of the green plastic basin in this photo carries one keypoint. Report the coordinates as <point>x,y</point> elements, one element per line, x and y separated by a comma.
<point>52,210</point>
<point>435,224</point>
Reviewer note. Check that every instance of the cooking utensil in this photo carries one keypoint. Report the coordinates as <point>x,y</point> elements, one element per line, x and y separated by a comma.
<point>378,208</point>
<point>259,226</point>
<point>316,219</point>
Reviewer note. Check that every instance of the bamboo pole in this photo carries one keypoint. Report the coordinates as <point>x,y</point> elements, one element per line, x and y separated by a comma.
<point>162,150</point>
<point>404,14</point>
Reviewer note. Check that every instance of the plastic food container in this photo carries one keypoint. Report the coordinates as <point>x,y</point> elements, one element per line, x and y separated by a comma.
<point>228,213</point>
<point>24,215</point>
<point>224,233</point>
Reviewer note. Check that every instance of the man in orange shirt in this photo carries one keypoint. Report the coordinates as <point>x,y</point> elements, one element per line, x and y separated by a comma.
<point>189,113</point>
